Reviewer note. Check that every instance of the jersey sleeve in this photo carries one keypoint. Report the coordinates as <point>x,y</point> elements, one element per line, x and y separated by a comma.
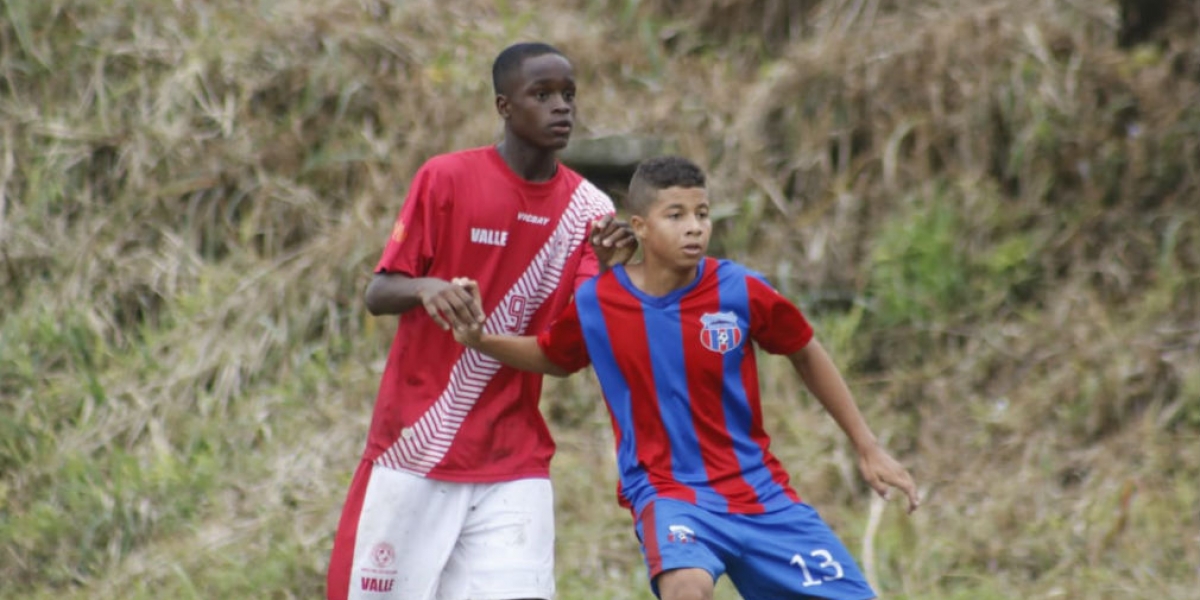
<point>776,324</point>
<point>410,248</point>
<point>589,265</point>
<point>562,342</point>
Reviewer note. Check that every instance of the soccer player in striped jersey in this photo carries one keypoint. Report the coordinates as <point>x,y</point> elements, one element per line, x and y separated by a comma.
<point>452,498</point>
<point>672,340</point>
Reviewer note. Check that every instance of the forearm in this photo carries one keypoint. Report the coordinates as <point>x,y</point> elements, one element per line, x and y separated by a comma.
<point>393,294</point>
<point>825,382</point>
<point>519,352</point>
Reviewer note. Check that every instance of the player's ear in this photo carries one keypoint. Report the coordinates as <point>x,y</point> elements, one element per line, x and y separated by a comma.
<point>638,224</point>
<point>503,108</point>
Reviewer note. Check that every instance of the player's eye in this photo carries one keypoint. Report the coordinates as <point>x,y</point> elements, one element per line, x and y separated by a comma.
<point>569,95</point>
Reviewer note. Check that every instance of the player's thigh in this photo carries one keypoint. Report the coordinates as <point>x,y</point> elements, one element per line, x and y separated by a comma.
<point>685,584</point>
<point>679,536</point>
<point>506,549</point>
<point>407,530</point>
<point>793,554</point>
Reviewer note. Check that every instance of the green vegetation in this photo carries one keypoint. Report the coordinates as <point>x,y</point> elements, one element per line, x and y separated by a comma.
<point>988,208</point>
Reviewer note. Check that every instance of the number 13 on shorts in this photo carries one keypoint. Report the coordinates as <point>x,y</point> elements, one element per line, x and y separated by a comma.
<point>829,569</point>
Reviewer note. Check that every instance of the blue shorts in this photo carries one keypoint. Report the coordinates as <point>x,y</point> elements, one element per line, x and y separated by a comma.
<point>790,553</point>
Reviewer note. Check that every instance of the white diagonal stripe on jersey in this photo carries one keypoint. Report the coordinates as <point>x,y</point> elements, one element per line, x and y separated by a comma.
<point>432,434</point>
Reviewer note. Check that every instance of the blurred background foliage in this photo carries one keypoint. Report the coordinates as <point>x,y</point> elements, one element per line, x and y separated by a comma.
<point>990,209</point>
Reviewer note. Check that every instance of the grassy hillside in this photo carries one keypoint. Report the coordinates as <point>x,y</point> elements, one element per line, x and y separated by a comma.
<point>991,211</point>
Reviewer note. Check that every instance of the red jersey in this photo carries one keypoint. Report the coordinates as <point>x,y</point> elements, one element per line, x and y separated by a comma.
<point>455,414</point>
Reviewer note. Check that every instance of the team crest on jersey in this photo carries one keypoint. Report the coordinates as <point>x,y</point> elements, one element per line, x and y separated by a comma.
<point>721,332</point>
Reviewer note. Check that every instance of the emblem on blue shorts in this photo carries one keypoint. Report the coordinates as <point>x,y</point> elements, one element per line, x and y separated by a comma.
<point>681,534</point>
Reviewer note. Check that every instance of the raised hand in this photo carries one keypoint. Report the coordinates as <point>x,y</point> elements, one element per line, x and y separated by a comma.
<point>613,241</point>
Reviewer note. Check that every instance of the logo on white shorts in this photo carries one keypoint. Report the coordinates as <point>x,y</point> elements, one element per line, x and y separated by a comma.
<point>681,534</point>
<point>383,554</point>
<point>377,584</point>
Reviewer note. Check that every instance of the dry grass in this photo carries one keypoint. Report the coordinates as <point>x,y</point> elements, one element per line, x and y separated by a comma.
<point>988,208</point>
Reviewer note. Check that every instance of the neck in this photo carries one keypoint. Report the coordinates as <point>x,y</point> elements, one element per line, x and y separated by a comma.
<point>660,280</point>
<point>529,163</point>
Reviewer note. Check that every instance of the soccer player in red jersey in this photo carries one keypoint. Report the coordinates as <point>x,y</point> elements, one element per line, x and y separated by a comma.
<point>452,498</point>
<point>672,340</point>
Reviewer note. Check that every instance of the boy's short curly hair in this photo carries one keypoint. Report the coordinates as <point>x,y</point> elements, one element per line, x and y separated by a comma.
<point>655,174</point>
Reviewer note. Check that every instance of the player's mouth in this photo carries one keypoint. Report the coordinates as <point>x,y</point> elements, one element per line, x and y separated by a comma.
<point>561,128</point>
<point>693,250</point>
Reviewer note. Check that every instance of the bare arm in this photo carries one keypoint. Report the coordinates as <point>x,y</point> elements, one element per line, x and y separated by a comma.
<point>517,351</point>
<point>825,382</point>
<point>448,303</point>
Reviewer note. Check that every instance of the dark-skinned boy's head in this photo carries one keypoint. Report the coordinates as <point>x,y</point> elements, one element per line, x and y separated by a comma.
<point>535,94</point>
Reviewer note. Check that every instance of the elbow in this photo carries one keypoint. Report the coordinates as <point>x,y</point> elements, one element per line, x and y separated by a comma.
<point>373,298</point>
<point>802,360</point>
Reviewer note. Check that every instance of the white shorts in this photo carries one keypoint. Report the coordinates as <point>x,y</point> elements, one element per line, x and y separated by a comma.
<point>423,539</point>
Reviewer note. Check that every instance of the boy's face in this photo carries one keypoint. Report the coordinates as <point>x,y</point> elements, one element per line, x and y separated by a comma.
<point>540,105</point>
<point>675,229</point>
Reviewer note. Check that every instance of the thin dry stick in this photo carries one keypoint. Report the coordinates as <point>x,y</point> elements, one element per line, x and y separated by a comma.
<point>868,549</point>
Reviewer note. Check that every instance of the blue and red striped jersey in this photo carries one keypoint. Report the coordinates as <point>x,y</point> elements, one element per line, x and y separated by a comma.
<point>678,373</point>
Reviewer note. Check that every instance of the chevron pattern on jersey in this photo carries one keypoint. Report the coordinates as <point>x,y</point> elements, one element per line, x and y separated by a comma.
<point>423,445</point>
